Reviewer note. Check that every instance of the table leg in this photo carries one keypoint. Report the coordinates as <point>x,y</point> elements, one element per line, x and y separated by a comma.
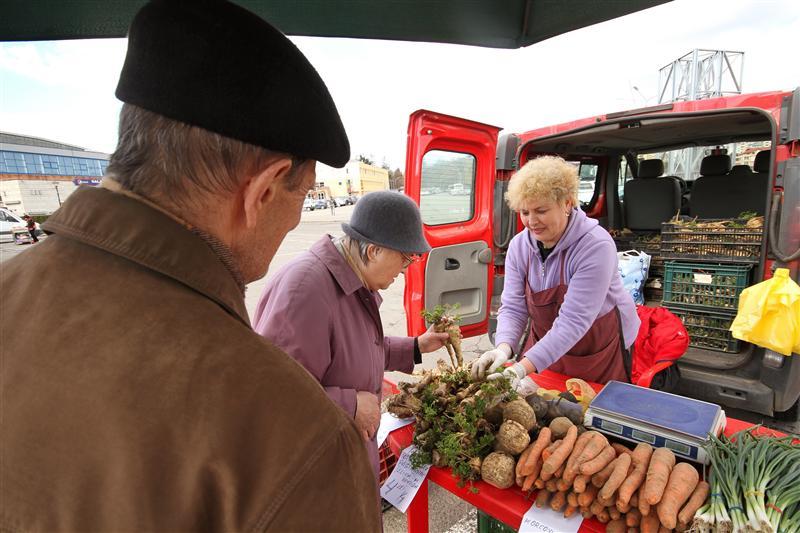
<point>417,512</point>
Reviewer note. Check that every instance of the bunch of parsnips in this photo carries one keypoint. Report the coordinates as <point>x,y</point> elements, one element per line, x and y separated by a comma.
<point>755,485</point>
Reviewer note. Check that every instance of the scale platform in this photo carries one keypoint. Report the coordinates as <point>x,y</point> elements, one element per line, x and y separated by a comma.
<point>637,414</point>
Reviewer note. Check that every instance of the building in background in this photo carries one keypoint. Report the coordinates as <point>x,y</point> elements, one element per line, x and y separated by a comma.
<point>354,179</point>
<point>37,175</point>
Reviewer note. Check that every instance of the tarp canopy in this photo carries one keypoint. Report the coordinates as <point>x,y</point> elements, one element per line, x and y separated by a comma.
<point>490,23</point>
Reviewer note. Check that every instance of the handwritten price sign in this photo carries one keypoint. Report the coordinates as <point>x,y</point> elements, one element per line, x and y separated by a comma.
<point>401,487</point>
<point>546,520</point>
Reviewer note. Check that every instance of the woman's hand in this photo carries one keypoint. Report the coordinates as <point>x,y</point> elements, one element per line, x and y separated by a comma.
<point>491,361</point>
<point>430,341</point>
<point>368,414</point>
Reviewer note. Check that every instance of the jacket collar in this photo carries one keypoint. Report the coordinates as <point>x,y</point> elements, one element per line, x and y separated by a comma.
<point>326,251</point>
<point>125,227</point>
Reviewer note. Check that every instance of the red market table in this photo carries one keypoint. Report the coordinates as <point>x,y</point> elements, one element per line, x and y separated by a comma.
<point>507,505</point>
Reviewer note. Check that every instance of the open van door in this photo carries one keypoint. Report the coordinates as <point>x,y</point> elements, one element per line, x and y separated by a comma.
<point>450,173</point>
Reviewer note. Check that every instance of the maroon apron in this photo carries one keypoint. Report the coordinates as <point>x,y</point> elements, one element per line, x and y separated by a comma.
<point>598,356</point>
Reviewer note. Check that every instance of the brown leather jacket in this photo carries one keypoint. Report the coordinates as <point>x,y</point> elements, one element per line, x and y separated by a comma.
<point>140,399</point>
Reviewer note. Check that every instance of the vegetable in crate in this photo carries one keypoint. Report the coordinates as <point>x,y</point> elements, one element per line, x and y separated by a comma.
<point>445,322</point>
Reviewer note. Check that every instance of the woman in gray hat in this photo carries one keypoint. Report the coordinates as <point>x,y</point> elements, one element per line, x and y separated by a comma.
<point>322,307</point>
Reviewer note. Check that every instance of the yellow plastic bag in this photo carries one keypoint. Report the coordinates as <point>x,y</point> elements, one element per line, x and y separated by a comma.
<point>769,314</point>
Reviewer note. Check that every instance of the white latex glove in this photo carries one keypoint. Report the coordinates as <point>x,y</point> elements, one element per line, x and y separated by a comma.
<point>527,387</point>
<point>513,373</point>
<point>491,361</point>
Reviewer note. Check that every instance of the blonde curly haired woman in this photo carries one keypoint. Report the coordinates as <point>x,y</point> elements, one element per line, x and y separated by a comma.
<point>561,272</point>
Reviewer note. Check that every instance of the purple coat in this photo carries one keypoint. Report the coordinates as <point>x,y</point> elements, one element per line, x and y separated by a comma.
<point>594,288</point>
<point>317,310</point>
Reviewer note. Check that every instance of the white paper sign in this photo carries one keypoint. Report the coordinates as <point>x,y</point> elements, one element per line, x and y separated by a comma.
<point>546,520</point>
<point>705,279</point>
<point>404,482</point>
<point>389,423</point>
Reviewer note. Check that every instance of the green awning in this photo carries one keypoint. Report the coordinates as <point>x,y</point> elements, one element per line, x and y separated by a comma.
<point>490,23</point>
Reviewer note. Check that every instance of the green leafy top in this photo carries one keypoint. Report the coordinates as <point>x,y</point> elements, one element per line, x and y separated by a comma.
<point>441,311</point>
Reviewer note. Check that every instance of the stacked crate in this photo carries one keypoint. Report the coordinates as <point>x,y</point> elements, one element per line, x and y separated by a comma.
<point>707,265</point>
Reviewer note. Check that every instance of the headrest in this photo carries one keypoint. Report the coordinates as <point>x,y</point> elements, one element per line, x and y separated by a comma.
<point>715,165</point>
<point>761,163</point>
<point>651,168</point>
<point>740,170</point>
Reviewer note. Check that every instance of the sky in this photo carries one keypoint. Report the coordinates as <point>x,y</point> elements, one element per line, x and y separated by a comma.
<point>64,90</point>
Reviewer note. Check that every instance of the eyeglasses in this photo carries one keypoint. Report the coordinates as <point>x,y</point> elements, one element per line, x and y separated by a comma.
<point>409,259</point>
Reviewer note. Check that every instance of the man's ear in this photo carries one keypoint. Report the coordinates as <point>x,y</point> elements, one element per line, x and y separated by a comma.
<point>260,189</point>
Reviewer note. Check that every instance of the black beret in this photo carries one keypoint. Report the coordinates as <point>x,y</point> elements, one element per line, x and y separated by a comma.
<point>212,64</point>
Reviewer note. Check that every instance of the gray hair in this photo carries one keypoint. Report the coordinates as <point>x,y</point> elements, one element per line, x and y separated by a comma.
<point>161,158</point>
<point>362,246</point>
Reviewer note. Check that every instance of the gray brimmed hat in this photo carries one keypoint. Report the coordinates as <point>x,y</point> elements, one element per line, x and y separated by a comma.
<point>388,219</point>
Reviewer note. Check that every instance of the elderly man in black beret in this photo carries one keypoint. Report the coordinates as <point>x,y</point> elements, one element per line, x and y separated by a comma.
<point>143,400</point>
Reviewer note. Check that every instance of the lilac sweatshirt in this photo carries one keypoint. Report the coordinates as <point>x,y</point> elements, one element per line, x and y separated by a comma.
<point>594,288</point>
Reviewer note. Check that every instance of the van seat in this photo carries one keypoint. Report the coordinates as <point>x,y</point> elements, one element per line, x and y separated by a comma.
<point>741,170</point>
<point>649,199</point>
<point>717,194</point>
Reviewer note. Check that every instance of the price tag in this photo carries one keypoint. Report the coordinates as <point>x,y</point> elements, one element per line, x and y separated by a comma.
<point>546,520</point>
<point>404,482</point>
<point>705,279</point>
<point>389,423</point>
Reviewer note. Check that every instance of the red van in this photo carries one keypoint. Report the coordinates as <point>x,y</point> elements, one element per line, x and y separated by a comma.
<point>720,157</point>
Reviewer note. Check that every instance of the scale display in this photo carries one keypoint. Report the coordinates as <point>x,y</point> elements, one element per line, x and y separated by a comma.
<point>658,418</point>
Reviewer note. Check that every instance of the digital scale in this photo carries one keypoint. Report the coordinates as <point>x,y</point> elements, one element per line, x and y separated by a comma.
<point>661,419</point>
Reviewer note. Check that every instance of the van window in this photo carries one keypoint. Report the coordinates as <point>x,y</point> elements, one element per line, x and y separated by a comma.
<point>587,176</point>
<point>447,187</point>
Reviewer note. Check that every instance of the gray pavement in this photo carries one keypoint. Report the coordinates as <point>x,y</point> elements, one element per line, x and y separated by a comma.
<point>447,513</point>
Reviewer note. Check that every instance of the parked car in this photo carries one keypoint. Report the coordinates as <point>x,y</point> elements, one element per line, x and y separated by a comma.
<point>308,204</point>
<point>342,201</point>
<point>320,203</point>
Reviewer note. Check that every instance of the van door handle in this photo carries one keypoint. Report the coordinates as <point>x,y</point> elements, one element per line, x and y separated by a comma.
<point>451,264</point>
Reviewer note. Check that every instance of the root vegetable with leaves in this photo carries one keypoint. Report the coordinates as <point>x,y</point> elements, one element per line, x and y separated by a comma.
<point>451,428</point>
<point>445,321</point>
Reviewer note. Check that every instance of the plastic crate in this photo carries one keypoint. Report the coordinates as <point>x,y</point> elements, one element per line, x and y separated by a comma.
<point>387,460</point>
<point>702,240</point>
<point>699,285</point>
<point>487,524</point>
<point>708,329</point>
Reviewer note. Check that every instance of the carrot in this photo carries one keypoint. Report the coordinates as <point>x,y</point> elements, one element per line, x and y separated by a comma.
<point>661,465</point>
<point>613,513</point>
<point>596,508</point>
<point>596,444</point>
<point>599,479</point>
<point>605,502</point>
<point>602,516</point>
<point>535,451</point>
<point>633,517</point>
<point>595,465</point>
<point>643,506</point>
<point>622,508</point>
<point>532,462</point>
<point>696,500</point>
<point>586,498</point>
<point>559,472</point>
<point>570,510</point>
<point>640,460</point>
<point>620,448</point>
<point>528,484</point>
<point>572,499</point>
<point>539,484</point>
<point>562,483</point>
<point>541,499</point>
<point>617,476</point>
<point>634,502</point>
<point>559,456</point>
<point>547,452</point>
<point>616,526</point>
<point>550,485</point>
<point>581,483</point>
<point>586,513</point>
<point>649,524</point>
<point>572,469</point>
<point>682,482</point>
<point>520,477</point>
<point>662,529</point>
<point>558,501</point>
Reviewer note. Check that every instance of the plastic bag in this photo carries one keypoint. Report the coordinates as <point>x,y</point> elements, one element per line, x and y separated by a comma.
<point>633,269</point>
<point>769,314</point>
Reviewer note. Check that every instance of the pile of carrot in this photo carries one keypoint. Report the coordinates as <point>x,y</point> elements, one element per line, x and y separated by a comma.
<point>628,490</point>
